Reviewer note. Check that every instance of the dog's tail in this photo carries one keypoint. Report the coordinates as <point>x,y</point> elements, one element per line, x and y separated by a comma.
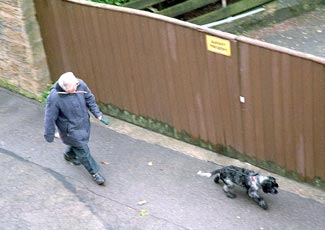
<point>210,174</point>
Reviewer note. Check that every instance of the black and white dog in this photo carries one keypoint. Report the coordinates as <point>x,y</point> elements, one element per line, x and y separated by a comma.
<point>251,180</point>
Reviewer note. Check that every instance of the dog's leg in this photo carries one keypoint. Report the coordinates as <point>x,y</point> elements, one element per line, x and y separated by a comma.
<point>216,179</point>
<point>228,188</point>
<point>252,193</point>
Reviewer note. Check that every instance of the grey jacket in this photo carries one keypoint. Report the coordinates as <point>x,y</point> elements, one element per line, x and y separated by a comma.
<point>69,112</point>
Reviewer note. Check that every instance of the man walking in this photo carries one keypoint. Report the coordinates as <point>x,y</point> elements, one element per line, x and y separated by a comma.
<point>67,108</point>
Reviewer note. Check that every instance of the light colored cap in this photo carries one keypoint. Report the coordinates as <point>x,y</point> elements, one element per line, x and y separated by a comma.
<point>67,79</point>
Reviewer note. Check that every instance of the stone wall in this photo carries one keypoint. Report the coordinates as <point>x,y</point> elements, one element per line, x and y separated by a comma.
<point>23,66</point>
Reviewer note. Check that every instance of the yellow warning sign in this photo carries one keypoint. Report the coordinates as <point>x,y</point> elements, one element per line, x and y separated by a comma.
<point>218,45</point>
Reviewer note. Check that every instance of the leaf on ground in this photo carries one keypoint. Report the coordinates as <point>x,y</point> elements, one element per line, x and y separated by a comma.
<point>144,212</point>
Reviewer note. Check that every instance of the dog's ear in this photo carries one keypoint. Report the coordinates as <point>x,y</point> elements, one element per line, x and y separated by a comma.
<point>275,183</point>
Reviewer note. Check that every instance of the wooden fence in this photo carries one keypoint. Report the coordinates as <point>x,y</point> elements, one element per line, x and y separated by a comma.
<point>261,101</point>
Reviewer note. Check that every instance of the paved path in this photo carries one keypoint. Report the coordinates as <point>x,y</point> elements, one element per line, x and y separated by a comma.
<point>305,33</point>
<point>39,190</point>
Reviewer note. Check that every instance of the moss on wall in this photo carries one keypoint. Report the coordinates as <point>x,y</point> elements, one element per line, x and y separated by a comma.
<point>16,89</point>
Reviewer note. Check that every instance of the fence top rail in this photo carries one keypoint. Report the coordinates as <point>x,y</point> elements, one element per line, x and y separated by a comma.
<point>201,29</point>
<point>155,16</point>
<point>280,49</point>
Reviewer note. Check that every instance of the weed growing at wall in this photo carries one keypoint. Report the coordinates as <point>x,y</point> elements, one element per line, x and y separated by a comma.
<point>45,93</point>
<point>15,89</point>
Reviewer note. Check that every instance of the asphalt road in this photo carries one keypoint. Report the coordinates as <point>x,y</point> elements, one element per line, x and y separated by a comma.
<point>39,190</point>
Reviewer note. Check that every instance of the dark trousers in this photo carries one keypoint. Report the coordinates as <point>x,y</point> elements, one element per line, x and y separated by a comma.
<point>83,155</point>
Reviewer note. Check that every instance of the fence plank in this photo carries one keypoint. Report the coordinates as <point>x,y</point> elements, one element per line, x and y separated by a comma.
<point>53,47</point>
<point>140,66</point>
<point>95,24</point>
<point>297,115</point>
<point>267,104</point>
<point>319,120</point>
<point>247,107</point>
<point>287,112</point>
<point>308,114</point>
<point>256,81</point>
<point>232,65</point>
<point>206,114</point>
<point>168,51</point>
<point>278,121</point>
<point>185,79</point>
<point>216,105</point>
<point>158,80</point>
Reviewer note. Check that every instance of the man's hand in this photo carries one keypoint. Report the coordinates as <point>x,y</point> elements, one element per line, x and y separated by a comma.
<point>57,135</point>
<point>103,120</point>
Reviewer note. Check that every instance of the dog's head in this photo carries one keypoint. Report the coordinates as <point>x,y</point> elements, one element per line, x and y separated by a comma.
<point>269,185</point>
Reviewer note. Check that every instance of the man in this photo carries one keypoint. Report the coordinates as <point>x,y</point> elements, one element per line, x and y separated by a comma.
<point>67,108</point>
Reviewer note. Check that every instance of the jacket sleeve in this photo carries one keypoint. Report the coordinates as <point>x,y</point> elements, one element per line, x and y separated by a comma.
<point>91,102</point>
<point>51,114</point>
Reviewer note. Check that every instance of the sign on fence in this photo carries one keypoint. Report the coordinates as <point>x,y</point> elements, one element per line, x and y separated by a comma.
<point>218,45</point>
